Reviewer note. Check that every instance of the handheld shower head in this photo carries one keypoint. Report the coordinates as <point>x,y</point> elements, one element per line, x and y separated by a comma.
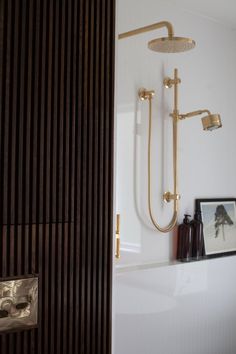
<point>211,122</point>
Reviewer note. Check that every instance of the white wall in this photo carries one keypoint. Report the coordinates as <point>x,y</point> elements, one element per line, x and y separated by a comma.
<point>159,306</point>
<point>206,167</point>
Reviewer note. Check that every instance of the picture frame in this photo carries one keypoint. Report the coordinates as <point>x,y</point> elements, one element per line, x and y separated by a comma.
<point>219,225</point>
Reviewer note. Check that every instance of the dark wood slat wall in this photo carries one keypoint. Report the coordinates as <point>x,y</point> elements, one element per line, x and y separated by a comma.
<point>56,168</point>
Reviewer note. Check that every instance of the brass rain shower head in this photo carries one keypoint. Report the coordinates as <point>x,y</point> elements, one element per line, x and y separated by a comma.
<point>169,44</point>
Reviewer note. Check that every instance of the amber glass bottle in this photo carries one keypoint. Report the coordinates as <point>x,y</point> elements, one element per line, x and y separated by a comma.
<point>185,240</point>
<point>198,240</point>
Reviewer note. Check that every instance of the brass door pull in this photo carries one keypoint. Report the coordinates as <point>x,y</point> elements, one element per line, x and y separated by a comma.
<point>117,254</point>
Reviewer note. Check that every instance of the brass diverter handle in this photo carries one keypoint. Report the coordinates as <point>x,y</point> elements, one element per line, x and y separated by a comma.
<point>117,254</point>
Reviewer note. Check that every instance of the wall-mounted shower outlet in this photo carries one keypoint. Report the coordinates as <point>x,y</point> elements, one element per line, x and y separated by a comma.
<point>18,303</point>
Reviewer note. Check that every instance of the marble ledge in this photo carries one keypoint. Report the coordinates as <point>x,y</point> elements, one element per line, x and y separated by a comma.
<point>125,268</point>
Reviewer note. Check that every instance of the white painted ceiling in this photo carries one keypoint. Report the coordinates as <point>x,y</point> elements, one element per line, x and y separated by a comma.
<point>221,11</point>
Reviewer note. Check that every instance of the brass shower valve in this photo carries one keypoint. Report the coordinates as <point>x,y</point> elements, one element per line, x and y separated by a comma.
<point>168,82</point>
<point>146,94</point>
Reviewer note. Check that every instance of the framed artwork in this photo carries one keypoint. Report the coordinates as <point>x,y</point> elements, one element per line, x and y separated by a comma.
<point>219,225</point>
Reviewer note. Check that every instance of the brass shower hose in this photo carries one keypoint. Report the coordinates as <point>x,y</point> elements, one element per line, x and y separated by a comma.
<point>173,221</point>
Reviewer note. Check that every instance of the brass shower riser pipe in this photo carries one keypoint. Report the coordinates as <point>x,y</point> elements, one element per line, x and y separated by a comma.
<point>176,82</point>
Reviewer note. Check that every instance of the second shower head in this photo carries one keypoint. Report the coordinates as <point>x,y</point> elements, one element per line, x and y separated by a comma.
<point>211,122</point>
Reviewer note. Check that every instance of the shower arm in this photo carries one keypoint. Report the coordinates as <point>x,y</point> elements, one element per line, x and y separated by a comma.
<point>149,28</point>
<point>193,114</point>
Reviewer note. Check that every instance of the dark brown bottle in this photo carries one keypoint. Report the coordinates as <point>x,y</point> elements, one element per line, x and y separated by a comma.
<point>198,240</point>
<point>185,240</point>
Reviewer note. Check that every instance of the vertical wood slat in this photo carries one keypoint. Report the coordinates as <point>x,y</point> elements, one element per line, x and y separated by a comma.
<point>56,168</point>
<point>5,110</point>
